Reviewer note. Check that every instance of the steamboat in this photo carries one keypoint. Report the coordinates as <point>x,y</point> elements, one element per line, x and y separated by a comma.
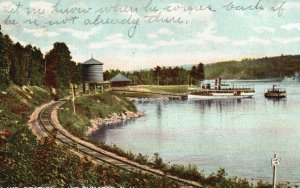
<point>219,91</point>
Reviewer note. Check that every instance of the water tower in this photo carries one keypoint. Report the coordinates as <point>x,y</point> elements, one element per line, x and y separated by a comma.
<point>92,75</point>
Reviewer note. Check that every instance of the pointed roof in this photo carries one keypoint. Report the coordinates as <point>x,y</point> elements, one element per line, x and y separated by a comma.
<point>92,61</point>
<point>120,78</point>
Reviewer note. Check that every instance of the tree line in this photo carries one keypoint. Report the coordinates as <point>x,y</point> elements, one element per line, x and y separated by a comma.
<point>162,75</point>
<point>260,68</point>
<point>27,65</point>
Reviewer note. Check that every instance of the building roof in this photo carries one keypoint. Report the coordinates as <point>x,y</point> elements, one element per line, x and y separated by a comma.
<point>92,61</point>
<point>120,78</point>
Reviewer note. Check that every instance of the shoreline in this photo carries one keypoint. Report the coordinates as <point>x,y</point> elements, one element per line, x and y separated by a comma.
<point>98,123</point>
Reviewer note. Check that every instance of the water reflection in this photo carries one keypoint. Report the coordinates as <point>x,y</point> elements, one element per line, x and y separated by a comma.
<point>158,110</point>
<point>101,133</point>
<point>277,100</point>
<point>221,105</point>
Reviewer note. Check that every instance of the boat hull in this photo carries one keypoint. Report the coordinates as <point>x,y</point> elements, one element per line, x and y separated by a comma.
<point>275,95</point>
<point>220,96</point>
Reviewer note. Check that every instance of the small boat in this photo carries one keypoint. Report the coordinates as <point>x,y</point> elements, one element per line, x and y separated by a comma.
<point>220,91</point>
<point>275,93</point>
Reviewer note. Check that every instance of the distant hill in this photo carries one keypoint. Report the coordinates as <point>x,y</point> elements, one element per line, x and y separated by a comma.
<point>188,66</point>
<point>261,68</point>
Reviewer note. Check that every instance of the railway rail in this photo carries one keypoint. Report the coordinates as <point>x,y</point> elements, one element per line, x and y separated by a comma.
<point>48,126</point>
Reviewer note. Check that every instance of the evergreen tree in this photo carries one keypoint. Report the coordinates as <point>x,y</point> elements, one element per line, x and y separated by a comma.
<point>63,65</point>
<point>50,78</point>
<point>197,73</point>
<point>76,72</point>
<point>157,72</point>
<point>37,67</point>
<point>58,67</point>
<point>4,67</point>
<point>18,72</point>
<point>200,70</point>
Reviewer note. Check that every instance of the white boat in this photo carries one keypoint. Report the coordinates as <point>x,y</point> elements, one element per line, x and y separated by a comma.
<point>205,92</point>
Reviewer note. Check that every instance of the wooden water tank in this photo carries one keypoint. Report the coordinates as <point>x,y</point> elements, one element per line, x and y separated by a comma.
<point>92,71</point>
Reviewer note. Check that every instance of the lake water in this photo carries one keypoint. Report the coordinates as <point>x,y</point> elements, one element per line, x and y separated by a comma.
<point>238,135</point>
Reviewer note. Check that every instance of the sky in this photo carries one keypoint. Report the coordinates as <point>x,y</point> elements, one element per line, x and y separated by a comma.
<point>134,34</point>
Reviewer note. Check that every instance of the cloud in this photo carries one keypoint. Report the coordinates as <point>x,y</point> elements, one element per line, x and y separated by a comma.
<point>287,40</point>
<point>210,35</point>
<point>15,39</point>
<point>291,26</point>
<point>118,40</point>
<point>206,38</point>
<point>292,6</point>
<point>171,42</point>
<point>41,32</point>
<point>251,41</point>
<point>152,35</point>
<point>165,31</point>
<point>161,31</point>
<point>82,35</point>
<point>73,47</point>
<point>263,29</point>
<point>41,5</point>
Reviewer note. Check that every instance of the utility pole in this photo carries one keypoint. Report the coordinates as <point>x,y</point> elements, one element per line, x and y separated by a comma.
<point>274,162</point>
<point>73,98</point>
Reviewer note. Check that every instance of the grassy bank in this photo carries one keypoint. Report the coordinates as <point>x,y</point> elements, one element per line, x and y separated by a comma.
<point>176,89</point>
<point>153,91</point>
<point>91,107</point>
<point>24,161</point>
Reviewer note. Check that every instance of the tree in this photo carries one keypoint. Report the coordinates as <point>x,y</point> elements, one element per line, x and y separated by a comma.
<point>157,72</point>
<point>58,67</point>
<point>76,72</point>
<point>4,66</point>
<point>63,65</point>
<point>200,70</point>
<point>18,72</point>
<point>36,71</point>
<point>197,73</point>
<point>50,79</point>
<point>109,74</point>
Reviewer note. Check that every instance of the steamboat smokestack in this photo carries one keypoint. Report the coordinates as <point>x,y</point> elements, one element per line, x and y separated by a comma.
<point>216,83</point>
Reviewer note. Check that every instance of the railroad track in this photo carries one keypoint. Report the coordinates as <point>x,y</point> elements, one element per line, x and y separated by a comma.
<point>102,156</point>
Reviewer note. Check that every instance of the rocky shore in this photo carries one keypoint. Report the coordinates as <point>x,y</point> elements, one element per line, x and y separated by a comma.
<point>113,119</point>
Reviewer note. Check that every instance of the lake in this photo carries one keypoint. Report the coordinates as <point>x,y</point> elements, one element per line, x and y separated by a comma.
<point>238,135</point>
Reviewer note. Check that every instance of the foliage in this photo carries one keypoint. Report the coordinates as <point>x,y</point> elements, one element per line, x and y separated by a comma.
<point>59,67</point>
<point>28,162</point>
<point>197,74</point>
<point>267,67</point>
<point>21,65</point>
<point>24,66</point>
<point>92,107</point>
<point>190,172</point>
<point>160,75</point>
